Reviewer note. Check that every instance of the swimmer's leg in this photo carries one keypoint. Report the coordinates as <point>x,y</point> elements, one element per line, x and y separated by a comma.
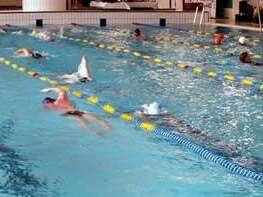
<point>89,118</point>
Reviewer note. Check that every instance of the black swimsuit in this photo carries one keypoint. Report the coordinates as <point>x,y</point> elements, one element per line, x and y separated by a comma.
<point>74,113</point>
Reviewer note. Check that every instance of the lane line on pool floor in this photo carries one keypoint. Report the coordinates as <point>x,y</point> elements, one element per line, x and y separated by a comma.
<point>176,137</point>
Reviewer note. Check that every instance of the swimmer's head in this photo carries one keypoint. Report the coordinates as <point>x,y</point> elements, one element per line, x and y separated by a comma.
<point>151,109</point>
<point>48,102</point>
<point>137,32</point>
<point>83,79</point>
<point>37,55</point>
<point>245,57</point>
<point>242,40</point>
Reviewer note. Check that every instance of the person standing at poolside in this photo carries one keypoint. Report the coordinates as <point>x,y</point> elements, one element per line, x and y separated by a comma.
<point>64,106</point>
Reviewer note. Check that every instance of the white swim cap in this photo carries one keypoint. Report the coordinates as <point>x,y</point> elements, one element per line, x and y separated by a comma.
<point>242,40</point>
<point>151,109</point>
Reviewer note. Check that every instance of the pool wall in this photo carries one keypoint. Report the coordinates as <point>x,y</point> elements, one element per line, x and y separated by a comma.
<point>93,17</point>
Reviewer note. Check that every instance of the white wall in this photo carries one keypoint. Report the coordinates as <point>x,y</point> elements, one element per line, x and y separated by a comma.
<point>162,4</point>
<point>44,5</point>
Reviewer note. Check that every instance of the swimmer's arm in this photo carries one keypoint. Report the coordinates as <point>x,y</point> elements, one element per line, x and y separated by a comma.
<point>61,93</point>
<point>66,76</point>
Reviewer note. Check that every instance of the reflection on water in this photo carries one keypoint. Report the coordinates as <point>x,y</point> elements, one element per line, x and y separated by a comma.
<point>17,178</point>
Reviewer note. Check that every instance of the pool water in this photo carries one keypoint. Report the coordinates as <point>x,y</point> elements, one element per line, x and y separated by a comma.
<point>44,154</point>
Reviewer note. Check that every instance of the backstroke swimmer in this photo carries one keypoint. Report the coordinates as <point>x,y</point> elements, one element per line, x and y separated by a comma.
<point>63,105</point>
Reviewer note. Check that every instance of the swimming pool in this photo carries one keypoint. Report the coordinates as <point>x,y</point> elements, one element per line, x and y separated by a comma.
<point>43,154</point>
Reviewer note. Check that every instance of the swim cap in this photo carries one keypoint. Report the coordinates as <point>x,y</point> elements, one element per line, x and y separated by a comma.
<point>151,109</point>
<point>242,40</point>
<point>48,100</point>
<point>37,55</point>
<point>137,31</point>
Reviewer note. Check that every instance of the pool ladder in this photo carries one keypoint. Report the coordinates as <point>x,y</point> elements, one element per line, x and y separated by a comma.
<point>259,17</point>
<point>202,15</point>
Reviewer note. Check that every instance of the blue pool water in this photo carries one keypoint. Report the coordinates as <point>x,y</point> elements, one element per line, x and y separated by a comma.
<point>44,154</point>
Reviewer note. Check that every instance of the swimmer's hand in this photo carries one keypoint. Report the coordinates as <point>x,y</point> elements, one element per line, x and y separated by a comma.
<point>45,90</point>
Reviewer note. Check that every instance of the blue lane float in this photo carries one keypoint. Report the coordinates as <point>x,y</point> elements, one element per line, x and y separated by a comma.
<point>209,155</point>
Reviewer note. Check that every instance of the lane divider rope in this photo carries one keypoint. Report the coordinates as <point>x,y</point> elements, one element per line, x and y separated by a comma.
<point>227,77</point>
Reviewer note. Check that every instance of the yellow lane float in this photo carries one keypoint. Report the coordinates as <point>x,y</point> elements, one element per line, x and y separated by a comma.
<point>43,78</point>
<point>117,49</point>
<point>212,74</point>
<point>110,47</point>
<point>197,46</point>
<point>157,60</point>
<point>257,56</point>
<point>65,88</point>
<point>229,77</point>
<point>7,62</point>
<point>102,46</point>
<point>218,50</point>
<point>21,69</point>
<point>147,126</point>
<point>197,70</point>
<point>183,66</point>
<point>93,100</point>
<point>126,50</point>
<point>14,66</point>
<point>136,54</point>
<point>147,57</point>
<point>32,73</point>
<point>127,117</point>
<point>53,82</point>
<point>109,109</point>
<point>169,63</point>
<point>77,93</point>
<point>247,82</point>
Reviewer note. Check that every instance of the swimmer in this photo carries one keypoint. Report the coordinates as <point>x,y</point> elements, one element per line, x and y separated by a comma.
<point>2,30</point>
<point>82,75</point>
<point>46,36</point>
<point>25,52</point>
<point>242,40</point>
<point>245,57</point>
<point>77,28</point>
<point>20,32</point>
<point>137,35</point>
<point>61,32</point>
<point>63,105</point>
<point>155,113</point>
<point>218,38</point>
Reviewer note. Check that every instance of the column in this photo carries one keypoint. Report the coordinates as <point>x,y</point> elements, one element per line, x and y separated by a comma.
<point>44,5</point>
<point>179,5</point>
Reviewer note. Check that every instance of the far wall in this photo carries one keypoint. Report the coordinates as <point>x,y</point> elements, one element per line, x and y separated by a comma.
<point>10,2</point>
